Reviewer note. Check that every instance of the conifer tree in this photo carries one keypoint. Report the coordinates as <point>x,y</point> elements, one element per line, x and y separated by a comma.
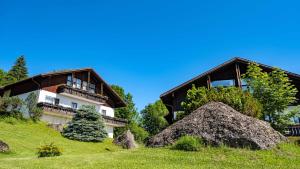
<point>2,77</point>
<point>18,71</point>
<point>87,126</point>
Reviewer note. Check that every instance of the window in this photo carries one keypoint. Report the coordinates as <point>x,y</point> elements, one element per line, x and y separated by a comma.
<point>103,112</point>
<point>74,82</point>
<point>223,83</point>
<point>69,80</point>
<point>84,85</point>
<point>78,83</point>
<point>92,88</point>
<point>49,99</point>
<point>56,101</point>
<point>245,85</point>
<point>74,105</point>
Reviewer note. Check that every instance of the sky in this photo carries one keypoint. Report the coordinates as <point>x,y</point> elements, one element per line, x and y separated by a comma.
<point>148,47</point>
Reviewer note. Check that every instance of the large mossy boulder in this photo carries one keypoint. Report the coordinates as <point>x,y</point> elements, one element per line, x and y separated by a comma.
<point>217,123</point>
<point>126,140</point>
<point>3,147</point>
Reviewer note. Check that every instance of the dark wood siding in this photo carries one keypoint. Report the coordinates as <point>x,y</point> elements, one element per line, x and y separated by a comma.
<point>52,81</point>
<point>229,71</point>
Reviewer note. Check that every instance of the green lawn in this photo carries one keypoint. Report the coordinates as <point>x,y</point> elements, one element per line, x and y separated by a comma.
<point>24,138</point>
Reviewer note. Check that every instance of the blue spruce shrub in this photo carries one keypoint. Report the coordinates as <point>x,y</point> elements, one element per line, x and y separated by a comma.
<point>86,126</point>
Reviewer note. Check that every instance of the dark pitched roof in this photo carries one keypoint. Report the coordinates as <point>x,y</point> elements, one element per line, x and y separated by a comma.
<point>115,95</point>
<point>233,60</point>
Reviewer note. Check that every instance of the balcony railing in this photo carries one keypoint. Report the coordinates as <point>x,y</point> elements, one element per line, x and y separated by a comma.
<point>81,93</point>
<point>294,130</point>
<point>65,111</point>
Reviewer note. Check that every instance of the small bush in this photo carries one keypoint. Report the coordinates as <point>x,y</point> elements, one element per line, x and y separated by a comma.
<point>188,143</point>
<point>49,150</point>
<point>11,107</point>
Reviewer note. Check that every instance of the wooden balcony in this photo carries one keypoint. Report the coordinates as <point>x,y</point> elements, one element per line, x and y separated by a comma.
<point>65,89</point>
<point>294,130</point>
<point>69,113</point>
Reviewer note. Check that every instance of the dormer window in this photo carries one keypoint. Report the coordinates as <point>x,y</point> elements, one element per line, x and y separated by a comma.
<point>92,88</point>
<point>69,80</point>
<point>78,83</point>
<point>84,85</point>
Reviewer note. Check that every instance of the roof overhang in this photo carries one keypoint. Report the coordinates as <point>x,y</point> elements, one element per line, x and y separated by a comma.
<point>232,61</point>
<point>117,99</point>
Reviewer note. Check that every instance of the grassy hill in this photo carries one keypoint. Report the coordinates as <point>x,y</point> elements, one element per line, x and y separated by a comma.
<point>25,137</point>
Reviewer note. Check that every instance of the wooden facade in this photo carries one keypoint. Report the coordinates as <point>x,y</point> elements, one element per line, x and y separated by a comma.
<point>56,82</point>
<point>231,70</point>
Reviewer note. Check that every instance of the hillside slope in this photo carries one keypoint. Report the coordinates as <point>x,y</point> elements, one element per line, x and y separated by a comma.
<point>24,138</point>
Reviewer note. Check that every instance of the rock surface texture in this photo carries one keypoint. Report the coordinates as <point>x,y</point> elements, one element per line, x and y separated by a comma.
<point>126,140</point>
<point>3,147</point>
<point>217,123</point>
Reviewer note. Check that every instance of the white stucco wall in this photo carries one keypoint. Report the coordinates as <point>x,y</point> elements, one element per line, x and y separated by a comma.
<point>110,131</point>
<point>66,101</point>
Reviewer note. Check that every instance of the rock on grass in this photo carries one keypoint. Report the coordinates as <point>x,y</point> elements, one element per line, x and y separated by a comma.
<point>217,123</point>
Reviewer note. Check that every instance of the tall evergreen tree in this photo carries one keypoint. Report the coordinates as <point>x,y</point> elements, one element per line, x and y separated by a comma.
<point>19,70</point>
<point>2,77</point>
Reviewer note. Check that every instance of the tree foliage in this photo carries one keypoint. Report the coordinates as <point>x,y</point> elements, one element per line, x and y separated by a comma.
<point>34,111</point>
<point>16,73</point>
<point>129,113</point>
<point>19,70</point>
<point>274,91</point>
<point>11,106</point>
<point>2,77</point>
<point>236,98</point>
<point>153,117</point>
<point>87,126</point>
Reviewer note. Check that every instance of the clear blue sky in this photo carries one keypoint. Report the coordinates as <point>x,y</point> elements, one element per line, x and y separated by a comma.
<point>150,46</point>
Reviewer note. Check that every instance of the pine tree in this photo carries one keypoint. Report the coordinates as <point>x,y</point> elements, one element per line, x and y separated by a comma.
<point>2,77</point>
<point>87,126</point>
<point>18,71</point>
